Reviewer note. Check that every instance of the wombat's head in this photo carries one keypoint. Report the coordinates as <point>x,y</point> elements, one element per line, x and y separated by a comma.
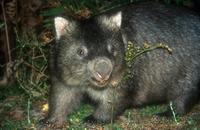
<point>89,52</point>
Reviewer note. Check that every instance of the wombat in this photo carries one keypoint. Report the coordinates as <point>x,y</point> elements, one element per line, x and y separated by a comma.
<point>87,62</point>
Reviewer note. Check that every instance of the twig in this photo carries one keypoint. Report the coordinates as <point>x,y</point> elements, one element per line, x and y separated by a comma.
<point>173,112</point>
<point>23,87</point>
<point>29,65</point>
<point>28,111</point>
<point>33,54</point>
<point>6,31</point>
<point>8,74</point>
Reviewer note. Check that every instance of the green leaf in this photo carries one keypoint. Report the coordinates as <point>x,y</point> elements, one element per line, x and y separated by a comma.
<point>2,24</point>
<point>53,11</point>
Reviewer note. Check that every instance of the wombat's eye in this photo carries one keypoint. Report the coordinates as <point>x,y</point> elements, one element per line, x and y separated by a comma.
<point>82,51</point>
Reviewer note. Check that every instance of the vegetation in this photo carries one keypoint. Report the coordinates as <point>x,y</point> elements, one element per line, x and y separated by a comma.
<point>134,51</point>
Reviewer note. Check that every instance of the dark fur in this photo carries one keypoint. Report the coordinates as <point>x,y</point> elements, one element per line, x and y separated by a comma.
<point>158,77</point>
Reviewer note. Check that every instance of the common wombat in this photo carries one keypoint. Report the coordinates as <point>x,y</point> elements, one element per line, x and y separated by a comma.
<point>87,62</point>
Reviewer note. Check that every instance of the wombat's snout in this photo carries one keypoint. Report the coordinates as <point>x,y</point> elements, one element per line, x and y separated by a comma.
<point>101,70</point>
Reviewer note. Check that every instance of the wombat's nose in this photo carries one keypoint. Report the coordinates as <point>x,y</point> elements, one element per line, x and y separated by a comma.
<point>102,70</point>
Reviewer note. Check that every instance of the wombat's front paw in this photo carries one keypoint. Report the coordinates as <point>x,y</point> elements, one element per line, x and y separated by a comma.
<point>47,124</point>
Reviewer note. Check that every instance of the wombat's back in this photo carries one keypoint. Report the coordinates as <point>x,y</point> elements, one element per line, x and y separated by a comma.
<point>157,75</point>
<point>154,22</point>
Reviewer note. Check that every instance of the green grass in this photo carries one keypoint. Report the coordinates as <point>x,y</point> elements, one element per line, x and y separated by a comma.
<point>76,118</point>
<point>152,110</point>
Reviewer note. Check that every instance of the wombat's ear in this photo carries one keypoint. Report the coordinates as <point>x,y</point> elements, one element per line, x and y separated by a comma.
<point>111,22</point>
<point>63,26</point>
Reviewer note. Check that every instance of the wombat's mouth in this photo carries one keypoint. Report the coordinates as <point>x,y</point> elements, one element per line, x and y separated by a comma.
<point>99,83</point>
<point>100,70</point>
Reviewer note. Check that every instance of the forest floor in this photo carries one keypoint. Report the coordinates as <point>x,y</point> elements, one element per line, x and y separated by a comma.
<point>19,112</point>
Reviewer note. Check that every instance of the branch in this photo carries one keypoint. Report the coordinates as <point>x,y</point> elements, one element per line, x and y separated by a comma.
<point>6,31</point>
